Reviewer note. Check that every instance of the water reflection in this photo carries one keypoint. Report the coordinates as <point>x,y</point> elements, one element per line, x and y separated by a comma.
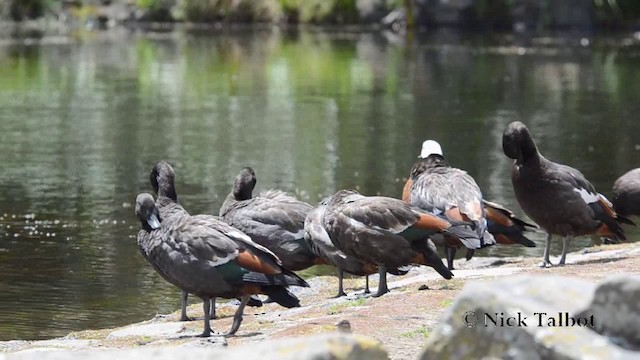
<point>81,124</point>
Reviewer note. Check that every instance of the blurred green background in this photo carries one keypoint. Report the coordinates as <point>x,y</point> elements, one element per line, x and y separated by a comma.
<point>475,14</point>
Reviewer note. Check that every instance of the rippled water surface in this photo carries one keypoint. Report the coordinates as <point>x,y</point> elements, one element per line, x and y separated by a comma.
<point>82,121</point>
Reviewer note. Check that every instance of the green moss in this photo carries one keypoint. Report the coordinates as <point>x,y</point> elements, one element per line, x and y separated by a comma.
<point>422,331</point>
<point>337,308</point>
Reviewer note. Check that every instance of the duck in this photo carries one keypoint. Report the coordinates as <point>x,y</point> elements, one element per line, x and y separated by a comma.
<point>316,234</point>
<point>557,197</point>
<point>389,232</point>
<point>162,178</point>
<point>272,219</point>
<point>626,194</point>
<point>440,189</point>
<point>209,258</point>
<point>502,223</point>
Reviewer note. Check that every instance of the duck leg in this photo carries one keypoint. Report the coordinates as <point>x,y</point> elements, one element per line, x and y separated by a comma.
<point>340,286</point>
<point>206,306</point>
<point>565,248</point>
<point>451,254</point>
<point>366,285</point>
<point>212,312</point>
<point>547,246</point>
<point>382,285</point>
<point>237,317</point>
<point>183,302</point>
<point>470,253</point>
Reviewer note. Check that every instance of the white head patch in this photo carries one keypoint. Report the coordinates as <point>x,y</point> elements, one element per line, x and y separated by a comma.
<point>430,147</point>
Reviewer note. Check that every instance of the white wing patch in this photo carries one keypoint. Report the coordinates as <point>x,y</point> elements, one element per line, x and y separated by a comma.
<point>587,196</point>
<point>360,226</point>
<point>221,260</point>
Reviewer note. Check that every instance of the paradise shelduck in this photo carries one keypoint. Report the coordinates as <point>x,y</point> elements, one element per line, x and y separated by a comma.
<point>162,178</point>
<point>626,194</point>
<point>557,197</point>
<point>321,245</point>
<point>272,219</point>
<point>388,232</point>
<point>440,189</point>
<point>209,258</point>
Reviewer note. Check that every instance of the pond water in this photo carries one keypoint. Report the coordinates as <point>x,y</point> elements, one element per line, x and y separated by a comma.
<point>83,120</point>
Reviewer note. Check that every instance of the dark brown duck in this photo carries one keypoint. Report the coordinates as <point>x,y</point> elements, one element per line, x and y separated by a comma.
<point>321,245</point>
<point>626,194</point>
<point>557,197</point>
<point>388,232</point>
<point>272,219</point>
<point>208,258</point>
<point>162,178</point>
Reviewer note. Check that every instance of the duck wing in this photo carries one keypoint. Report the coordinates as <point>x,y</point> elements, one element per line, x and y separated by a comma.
<point>453,193</point>
<point>275,220</point>
<point>322,246</point>
<point>601,207</point>
<point>217,243</point>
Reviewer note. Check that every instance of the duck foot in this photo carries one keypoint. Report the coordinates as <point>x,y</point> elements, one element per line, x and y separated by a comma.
<point>546,264</point>
<point>380,293</point>
<point>339,295</point>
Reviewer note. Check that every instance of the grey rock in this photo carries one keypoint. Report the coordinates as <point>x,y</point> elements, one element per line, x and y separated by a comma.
<point>616,308</point>
<point>510,318</point>
<point>328,346</point>
<point>150,330</point>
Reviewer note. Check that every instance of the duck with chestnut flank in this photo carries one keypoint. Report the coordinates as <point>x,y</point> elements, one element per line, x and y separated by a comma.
<point>162,178</point>
<point>440,189</point>
<point>389,232</point>
<point>321,245</point>
<point>209,258</point>
<point>506,228</point>
<point>626,194</point>
<point>557,197</point>
<point>272,219</point>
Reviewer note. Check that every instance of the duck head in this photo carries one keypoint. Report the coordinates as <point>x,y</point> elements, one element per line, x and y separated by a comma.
<point>430,147</point>
<point>517,143</point>
<point>343,196</point>
<point>244,184</point>
<point>162,180</point>
<point>430,157</point>
<point>147,212</point>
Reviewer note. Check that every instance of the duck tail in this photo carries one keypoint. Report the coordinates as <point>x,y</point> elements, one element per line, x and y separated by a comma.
<point>281,295</point>
<point>467,233</point>
<point>429,256</point>
<point>625,220</point>
<point>513,237</point>
<point>286,278</point>
<point>603,210</point>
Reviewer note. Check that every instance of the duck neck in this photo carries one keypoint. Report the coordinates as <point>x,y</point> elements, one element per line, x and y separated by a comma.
<point>227,204</point>
<point>436,161</point>
<point>167,189</point>
<point>529,152</point>
<point>243,191</point>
